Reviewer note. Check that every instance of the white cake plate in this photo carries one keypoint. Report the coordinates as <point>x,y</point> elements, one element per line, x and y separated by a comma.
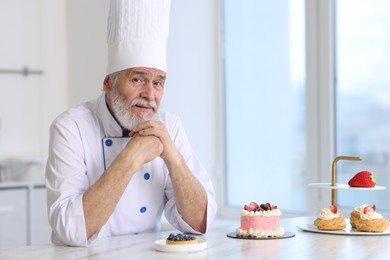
<point>343,186</point>
<point>348,231</point>
<point>161,245</point>
<point>286,235</point>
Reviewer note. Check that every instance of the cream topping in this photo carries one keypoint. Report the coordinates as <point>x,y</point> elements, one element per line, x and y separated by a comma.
<point>371,215</point>
<point>326,214</point>
<point>265,213</point>
<point>260,232</point>
<point>360,209</point>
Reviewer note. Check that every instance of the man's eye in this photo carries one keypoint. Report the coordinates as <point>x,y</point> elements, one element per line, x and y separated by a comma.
<point>137,81</point>
<point>158,84</point>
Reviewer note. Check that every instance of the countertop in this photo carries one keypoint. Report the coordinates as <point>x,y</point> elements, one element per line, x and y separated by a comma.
<point>304,245</point>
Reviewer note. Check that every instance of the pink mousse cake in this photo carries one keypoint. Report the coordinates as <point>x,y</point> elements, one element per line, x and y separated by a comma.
<point>260,221</point>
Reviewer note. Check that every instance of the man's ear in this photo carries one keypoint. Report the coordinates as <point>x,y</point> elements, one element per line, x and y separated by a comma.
<point>106,84</point>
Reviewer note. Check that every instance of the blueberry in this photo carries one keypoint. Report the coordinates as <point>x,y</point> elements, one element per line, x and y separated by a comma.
<point>180,237</point>
<point>265,207</point>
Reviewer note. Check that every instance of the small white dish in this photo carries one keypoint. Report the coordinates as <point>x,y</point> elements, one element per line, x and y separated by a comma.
<point>161,245</point>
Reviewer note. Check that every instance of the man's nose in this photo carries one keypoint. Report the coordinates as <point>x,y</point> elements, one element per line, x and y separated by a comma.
<point>148,91</point>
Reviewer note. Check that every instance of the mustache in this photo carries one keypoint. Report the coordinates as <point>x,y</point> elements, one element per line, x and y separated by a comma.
<point>144,102</point>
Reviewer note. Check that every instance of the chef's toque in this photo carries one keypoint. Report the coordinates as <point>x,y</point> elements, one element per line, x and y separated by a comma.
<point>137,34</point>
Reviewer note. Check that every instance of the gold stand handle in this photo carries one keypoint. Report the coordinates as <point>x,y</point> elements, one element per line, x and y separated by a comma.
<point>351,158</point>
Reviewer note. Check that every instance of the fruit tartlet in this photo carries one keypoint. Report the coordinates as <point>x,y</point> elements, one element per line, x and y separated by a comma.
<point>329,219</point>
<point>181,239</point>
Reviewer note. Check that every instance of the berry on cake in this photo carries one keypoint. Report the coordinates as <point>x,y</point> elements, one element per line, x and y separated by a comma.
<point>366,219</point>
<point>260,221</point>
<point>363,179</point>
<point>329,219</point>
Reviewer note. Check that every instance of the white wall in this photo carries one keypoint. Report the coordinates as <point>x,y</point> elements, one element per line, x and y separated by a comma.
<point>54,59</point>
<point>86,40</point>
<point>33,36</point>
<point>193,69</point>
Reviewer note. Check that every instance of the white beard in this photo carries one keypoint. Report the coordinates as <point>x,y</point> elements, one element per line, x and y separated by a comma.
<point>123,113</point>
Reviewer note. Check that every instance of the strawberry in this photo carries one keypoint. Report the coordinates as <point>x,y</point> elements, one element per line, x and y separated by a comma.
<point>333,208</point>
<point>362,179</point>
<point>368,209</point>
<point>249,207</point>
<point>373,206</point>
<point>254,204</point>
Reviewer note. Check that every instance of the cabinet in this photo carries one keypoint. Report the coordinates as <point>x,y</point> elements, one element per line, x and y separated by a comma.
<point>39,223</point>
<point>13,216</point>
<point>23,214</point>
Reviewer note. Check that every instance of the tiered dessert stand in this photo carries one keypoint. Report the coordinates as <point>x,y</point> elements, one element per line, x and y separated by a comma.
<point>335,186</point>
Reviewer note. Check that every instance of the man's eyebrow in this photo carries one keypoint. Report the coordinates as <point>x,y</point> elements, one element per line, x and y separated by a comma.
<point>162,77</point>
<point>141,72</point>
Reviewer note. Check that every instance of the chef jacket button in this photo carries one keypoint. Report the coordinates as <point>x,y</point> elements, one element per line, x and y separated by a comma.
<point>147,176</point>
<point>108,142</point>
<point>143,209</point>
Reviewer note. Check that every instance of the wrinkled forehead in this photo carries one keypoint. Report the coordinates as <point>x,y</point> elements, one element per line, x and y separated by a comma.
<point>147,72</point>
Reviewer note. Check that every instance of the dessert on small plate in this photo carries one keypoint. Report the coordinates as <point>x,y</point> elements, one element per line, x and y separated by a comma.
<point>260,221</point>
<point>180,243</point>
<point>181,239</point>
<point>329,219</point>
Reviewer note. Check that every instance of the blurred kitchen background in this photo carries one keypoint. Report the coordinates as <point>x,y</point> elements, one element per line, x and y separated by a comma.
<point>269,92</point>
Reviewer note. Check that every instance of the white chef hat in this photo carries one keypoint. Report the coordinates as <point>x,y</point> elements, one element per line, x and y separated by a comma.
<point>137,34</point>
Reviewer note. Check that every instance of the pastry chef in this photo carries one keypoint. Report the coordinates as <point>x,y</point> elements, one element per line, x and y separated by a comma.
<point>116,163</point>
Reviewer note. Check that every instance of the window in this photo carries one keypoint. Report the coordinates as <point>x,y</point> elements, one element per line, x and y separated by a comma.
<point>286,120</point>
<point>363,95</point>
<point>265,103</point>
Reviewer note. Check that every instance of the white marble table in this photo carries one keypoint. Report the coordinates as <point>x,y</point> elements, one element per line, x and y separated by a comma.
<point>305,245</point>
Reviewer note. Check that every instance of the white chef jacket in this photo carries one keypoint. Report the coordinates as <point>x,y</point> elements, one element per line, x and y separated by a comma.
<point>83,142</point>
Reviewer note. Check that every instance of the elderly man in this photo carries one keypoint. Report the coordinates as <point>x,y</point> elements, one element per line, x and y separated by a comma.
<point>117,163</point>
